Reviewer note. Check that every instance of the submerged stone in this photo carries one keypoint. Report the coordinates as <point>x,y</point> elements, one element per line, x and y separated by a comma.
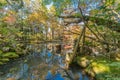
<point>11,79</point>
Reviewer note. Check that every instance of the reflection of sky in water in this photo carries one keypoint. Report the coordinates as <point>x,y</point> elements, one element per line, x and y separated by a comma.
<point>39,66</point>
<point>57,76</point>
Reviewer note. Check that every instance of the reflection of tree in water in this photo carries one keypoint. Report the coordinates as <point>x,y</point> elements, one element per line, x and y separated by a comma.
<point>40,63</point>
<point>39,71</point>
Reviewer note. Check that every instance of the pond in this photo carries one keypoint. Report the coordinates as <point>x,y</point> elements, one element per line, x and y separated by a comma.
<point>43,63</point>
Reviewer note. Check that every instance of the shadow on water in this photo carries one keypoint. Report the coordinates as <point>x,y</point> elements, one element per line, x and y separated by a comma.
<point>41,64</point>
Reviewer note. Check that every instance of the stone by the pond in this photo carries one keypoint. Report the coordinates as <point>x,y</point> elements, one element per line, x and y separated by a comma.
<point>10,55</point>
<point>83,62</point>
<point>99,67</point>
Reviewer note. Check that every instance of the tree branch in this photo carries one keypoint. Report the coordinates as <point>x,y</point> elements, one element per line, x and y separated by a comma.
<point>111,24</point>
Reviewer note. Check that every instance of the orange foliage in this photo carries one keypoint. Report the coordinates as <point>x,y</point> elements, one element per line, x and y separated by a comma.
<point>9,19</point>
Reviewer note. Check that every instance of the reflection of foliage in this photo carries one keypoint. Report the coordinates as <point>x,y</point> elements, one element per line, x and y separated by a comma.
<point>16,4</point>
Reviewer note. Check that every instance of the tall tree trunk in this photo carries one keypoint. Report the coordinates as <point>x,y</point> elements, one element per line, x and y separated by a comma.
<point>52,33</point>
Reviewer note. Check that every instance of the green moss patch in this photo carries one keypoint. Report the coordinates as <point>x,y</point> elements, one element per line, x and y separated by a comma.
<point>100,67</point>
<point>10,55</point>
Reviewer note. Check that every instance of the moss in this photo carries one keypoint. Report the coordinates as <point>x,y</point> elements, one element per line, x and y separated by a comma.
<point>101,67</point>
<point>106,69</point>
<point>4,59</point>
<point>115,67</point>
<point>6,49</point>
<point>82,61</point>
<point>113,74</point>
<point>1,52</point>
<point>10,55</point>
<point>1,63</point>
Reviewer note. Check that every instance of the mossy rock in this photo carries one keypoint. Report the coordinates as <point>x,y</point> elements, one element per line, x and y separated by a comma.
<point>115,55</point>
<point>4,59</point>
<point>1,51</point>
<point>100,67</point>
<point>117,58</point>
<point>5,49</point>
<point>106,70</point>
<point>18,50</point>
<point>83,61</point>
<point>118,55</point>
<point>96,66</point>
<point>1,63</point>
<point>113,74</point>
<point>10,55</point>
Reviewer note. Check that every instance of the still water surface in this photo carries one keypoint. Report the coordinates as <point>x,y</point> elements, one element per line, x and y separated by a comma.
<point>43,63</point>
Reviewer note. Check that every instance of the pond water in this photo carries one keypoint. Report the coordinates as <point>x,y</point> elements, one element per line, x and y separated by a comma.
<point>41,64</point>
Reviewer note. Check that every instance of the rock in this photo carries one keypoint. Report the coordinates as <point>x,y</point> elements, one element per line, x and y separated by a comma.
<point>91,73</point>
<point>11,55</point>
<point>67,58</point>
<point>5,49</point>
<point>115,55</point>
<point>118,58</point>
<point>99,67</point>
<point>83,62</point>
<point>118,55</point>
